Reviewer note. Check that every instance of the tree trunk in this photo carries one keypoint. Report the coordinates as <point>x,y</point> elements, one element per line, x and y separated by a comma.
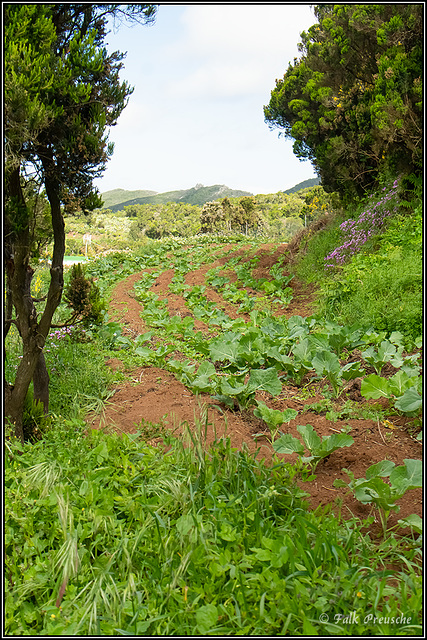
<point>19,274</point>
<point>41,383</point>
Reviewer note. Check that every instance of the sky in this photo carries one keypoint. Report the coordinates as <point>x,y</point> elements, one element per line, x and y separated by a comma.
<point>201,76</point>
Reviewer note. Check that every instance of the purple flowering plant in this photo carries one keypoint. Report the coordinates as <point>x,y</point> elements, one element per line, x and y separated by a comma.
<point>58,339</point>
<point>65,334</point>
<point>357,232</point>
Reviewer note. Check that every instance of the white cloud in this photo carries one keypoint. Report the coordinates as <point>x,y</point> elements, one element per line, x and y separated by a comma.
<point>246,29</point>
<point>237,49</point>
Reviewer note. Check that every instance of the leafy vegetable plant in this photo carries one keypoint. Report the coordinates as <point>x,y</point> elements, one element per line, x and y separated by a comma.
<point>318,447</point>
<point>386,352</point>
<point>273,417</point>
<point>373,489</point>
<point>404,389</point>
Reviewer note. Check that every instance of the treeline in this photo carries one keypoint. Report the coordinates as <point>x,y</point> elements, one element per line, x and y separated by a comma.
<point>278,215</point>
<point>352,103</point>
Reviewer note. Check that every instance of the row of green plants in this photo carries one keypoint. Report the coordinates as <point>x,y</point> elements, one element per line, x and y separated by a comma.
<point>239,350</point>
<point>108,536</point>
<point>253,356</point>
<point>267,346</point>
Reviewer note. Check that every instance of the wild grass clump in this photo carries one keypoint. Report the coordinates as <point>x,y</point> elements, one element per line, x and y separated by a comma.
<point>105,535</point>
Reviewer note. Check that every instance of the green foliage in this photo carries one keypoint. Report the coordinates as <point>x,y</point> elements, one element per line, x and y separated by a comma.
<point>311,182</point>
<point>273,417</point>
<point>318,203</point>
<point>384,495</point>
<point>227,216</point>
<point>405,389</point>
<point>83,296</point>
<point>105,535</point>
<point>374,287</point>
<point>319,447</point>
<point>384,277</point>
<point>161,220</point>
<point>35,421</point>
<point>79,379</point>
<point>62,93</point>
<point>353,102</point>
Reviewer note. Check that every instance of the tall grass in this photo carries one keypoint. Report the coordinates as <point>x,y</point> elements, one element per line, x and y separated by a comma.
<point>107,536</point>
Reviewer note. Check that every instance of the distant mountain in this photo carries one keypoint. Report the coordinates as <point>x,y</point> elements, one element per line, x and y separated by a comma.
<point>312,182</point>
<point>116,196</point>
<point>197,195</point>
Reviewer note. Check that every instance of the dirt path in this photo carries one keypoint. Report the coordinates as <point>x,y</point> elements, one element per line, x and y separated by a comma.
<point>150,396</point>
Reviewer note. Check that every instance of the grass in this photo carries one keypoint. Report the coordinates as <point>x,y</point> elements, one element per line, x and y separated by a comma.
<point>394,283</point>
<point>384,278</point>
<point>105,535</point>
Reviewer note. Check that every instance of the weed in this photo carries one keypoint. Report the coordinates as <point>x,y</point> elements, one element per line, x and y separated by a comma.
<point>384,495</point>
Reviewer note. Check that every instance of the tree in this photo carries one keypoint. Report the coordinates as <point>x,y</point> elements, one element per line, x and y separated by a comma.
<point>62,92</point>
<point>353,102</point>
<point>246,214</point>
<point>213,217</point>
<point>317,203</point>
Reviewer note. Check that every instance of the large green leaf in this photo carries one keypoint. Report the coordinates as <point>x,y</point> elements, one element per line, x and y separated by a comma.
<point>202,380</point>
<point>232,387</point>
<point>288,444</point>
<point>400,382</point>
<point>303,351</point>
<point>274,417</point>
<point>407,476</point>
<point>319,341</point>
<point>276,354</point>
<point>410,401</point>
<point>206,617</point>
<point>414,521</point>
<point>297,326</point>
<point>146,354</point>
<point>251,348</point>
<point>335,441</point>
<point>265,380</point>
<point>375,387</point>
<point>224,348</point>
<point>310,437</point>
<point>326,362</point>
<point>377,491</point>
<point>382,469</point>
<point>352,370</point>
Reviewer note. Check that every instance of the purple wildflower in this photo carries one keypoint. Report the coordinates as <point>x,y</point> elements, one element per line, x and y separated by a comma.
<point>357,232</point>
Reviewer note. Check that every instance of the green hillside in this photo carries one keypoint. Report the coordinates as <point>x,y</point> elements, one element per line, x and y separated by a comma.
<point>197,195</point>
<point>116,196</point>
<point>117,199</point>
<point>311,182</point>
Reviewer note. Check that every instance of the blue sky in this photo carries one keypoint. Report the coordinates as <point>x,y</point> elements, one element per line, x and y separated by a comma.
<point>201,76</point>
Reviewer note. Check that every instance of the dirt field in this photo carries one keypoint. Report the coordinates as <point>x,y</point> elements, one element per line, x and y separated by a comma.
<point>154,395</point>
